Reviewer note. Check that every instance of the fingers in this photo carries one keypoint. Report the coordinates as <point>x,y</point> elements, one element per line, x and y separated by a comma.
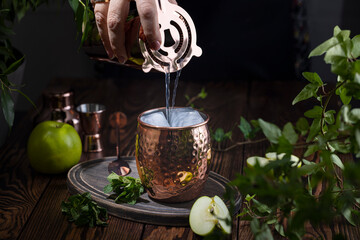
<point>149,21</point>
<point>117,14</point>
<point>101,12</point>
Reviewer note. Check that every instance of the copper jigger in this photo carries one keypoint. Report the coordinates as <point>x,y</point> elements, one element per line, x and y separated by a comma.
<point>91,121</point>
<point>173,162</point>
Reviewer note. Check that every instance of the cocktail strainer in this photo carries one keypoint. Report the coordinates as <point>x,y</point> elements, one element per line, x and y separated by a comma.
<point>178,37</point>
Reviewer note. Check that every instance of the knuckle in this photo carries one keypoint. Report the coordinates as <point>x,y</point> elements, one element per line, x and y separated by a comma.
<point>100,19</point>
<point>147,10</point>
<point>113,22</point>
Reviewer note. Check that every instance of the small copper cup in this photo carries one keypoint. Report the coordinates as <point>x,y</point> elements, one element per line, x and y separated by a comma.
<point>173,162</point>
<point>91,121</point>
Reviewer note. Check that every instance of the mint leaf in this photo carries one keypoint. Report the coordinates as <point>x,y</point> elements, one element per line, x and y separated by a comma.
<point>83,211</point>
<point>271,131</point>
<point>126,189</point>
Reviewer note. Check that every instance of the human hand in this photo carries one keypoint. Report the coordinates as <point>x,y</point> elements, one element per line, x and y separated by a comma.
<point>114,31</point>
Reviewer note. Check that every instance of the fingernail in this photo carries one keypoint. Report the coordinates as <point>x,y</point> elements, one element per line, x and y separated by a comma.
<point>155,45</point>
<point>121,59</point>
<point>110,54</point>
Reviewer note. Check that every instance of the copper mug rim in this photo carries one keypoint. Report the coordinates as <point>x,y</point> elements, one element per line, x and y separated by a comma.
<point>172,128</point>
<point>99,108</point>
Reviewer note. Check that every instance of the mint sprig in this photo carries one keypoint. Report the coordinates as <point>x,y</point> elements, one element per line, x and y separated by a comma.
<point>83,211</point>
<point>126,189</point>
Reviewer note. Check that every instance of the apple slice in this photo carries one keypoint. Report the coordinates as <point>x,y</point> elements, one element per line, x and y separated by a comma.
<point>251,161</point>
<point>222,214</point>
<point>274,156</point>
<point>207,213</point>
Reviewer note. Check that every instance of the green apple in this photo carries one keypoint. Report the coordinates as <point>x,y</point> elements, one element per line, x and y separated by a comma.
<point>208,213</point>
<point>53,147</point>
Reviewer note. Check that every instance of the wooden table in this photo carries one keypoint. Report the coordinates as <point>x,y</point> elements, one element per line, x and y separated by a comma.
<point>30,202</point>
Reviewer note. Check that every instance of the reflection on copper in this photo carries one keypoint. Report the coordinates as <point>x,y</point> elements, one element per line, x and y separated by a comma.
<point>173,163</point>
<point>118,120</point>
<point>91,121</point>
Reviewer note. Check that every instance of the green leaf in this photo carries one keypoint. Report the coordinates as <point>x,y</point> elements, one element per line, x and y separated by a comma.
<point>322,48</point>
<point>307,92</point>
<point>356,46</point>
<point>112,176</point>
<point>25,96</point>
<point>313,77</point>
<point>248,198</point>
<point>261,232</point>
<point>308,169</point>
<point>14,66</point>
<point>348,216</point>
<point>284,146</point>
<point>74,4</point>
<point>219,134</point>
<point>245,127</point>
<point>315,112</point>
<point>83,211</point>
<point>329,116</point>
<point>337,161</point>
<point>7,105</point>
<point>271,131</point>
<point>343,93</point>
<point>341,35</point>
<point>263,208</point>
<point>357,137</point>
<point>314,129</point>
<point>108,188</point>
<point>340,65</point>
<point>126,189</point>
<point>289,133</point>
<point>202,94</point>
<point>280,229</point>
<point>302,125</point>
<point>340,146</point>
<point>311,149</point>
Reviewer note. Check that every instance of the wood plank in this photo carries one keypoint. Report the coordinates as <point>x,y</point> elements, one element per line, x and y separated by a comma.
<point>47,221</point>
<point>20,186</point>
<point>167,233</point>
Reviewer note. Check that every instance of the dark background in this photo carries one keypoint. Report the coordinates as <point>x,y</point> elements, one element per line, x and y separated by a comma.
<point>240,40</point>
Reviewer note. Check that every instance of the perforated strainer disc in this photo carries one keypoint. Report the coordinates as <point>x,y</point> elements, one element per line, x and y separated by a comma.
<point>178,40</point>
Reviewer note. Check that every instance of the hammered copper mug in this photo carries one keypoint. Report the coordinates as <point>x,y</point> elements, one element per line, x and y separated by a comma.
<point>173,162</point>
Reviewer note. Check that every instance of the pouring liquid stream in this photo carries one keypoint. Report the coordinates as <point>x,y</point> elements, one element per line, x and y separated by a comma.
<point>167,90</point>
